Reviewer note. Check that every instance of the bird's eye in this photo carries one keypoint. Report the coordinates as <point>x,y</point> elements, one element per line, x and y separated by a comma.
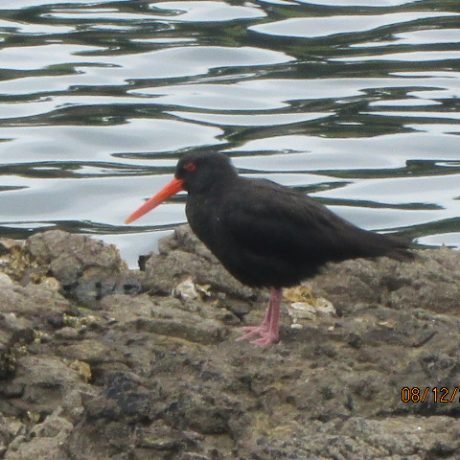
<point>190,166</point>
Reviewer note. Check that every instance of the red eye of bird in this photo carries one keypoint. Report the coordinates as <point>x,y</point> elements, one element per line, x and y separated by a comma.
<point>190,166</point>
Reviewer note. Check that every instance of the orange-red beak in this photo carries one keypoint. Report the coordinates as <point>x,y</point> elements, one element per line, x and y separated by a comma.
<point>170,189</point>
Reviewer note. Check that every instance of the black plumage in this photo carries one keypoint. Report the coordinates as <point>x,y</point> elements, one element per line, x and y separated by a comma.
<point>265,234</point>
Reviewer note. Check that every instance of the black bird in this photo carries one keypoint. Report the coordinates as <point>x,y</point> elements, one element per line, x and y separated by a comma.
<point>265,234</point>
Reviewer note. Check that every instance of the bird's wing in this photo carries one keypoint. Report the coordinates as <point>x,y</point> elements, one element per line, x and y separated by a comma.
<point>279,222</point>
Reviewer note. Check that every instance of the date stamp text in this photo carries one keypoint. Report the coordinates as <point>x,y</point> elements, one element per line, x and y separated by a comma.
<point>436,395</point>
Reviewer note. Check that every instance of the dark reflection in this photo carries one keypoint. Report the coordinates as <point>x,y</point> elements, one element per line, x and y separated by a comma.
<point>375,205</point>
<point>59,170</point>
<point>433,228</point>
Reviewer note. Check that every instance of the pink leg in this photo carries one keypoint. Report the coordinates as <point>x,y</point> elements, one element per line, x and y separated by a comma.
<point>252,331</point>
<point>268,330</point>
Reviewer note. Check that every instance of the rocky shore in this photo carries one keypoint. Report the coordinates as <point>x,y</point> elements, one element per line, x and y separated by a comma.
<point>101,362</point>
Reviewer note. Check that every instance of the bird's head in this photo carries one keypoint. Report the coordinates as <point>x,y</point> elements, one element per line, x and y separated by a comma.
<point>201,172</point>
<point>195,173</point>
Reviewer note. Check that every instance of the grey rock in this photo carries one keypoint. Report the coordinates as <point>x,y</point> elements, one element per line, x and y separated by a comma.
<point>150,376</point>
<point>46,440</point>
<point>87,269</point>
<point>41,382</point>
<point>31,301</point>
<point>431,282</point>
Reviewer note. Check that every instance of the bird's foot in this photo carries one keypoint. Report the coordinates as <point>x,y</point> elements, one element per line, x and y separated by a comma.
<point>267,332</point>
<point>265,340</point>
<point>265,336</point>
<point>252,331</point>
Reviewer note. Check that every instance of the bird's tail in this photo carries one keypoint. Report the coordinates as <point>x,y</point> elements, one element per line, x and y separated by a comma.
<point>401,249</point>
<point>402,254</point>
<point>378,245</point>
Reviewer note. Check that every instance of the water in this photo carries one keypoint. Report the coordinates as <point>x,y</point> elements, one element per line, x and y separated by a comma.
<point>353,101</point>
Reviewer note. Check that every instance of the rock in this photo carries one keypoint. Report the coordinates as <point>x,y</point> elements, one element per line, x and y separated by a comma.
<point>22,313</point>
<point>8,362</point>
<point>10,428</point>
<point>205,332</point>
<point>431,282</point>
<point>303,305</point>
<point>31,301</point>
<point>40,385</point>
<point>168,318</point>
<point>160,437</point>
<point>92,351</point>
<point>13,260</point>
<point>46,440</point>
<point>395,438</point>
<point>87,269</point>
<point>125,309</point>
<point>151,376</point>
<point>67,333</point>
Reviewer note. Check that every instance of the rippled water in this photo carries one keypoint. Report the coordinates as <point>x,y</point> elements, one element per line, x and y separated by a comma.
<point>353,101</point>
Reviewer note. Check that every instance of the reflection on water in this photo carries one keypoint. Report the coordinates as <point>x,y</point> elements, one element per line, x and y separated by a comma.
<point>353,101</point>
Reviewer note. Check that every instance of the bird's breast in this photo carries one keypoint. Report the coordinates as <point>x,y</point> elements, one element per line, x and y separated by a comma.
<point>203,217</point>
